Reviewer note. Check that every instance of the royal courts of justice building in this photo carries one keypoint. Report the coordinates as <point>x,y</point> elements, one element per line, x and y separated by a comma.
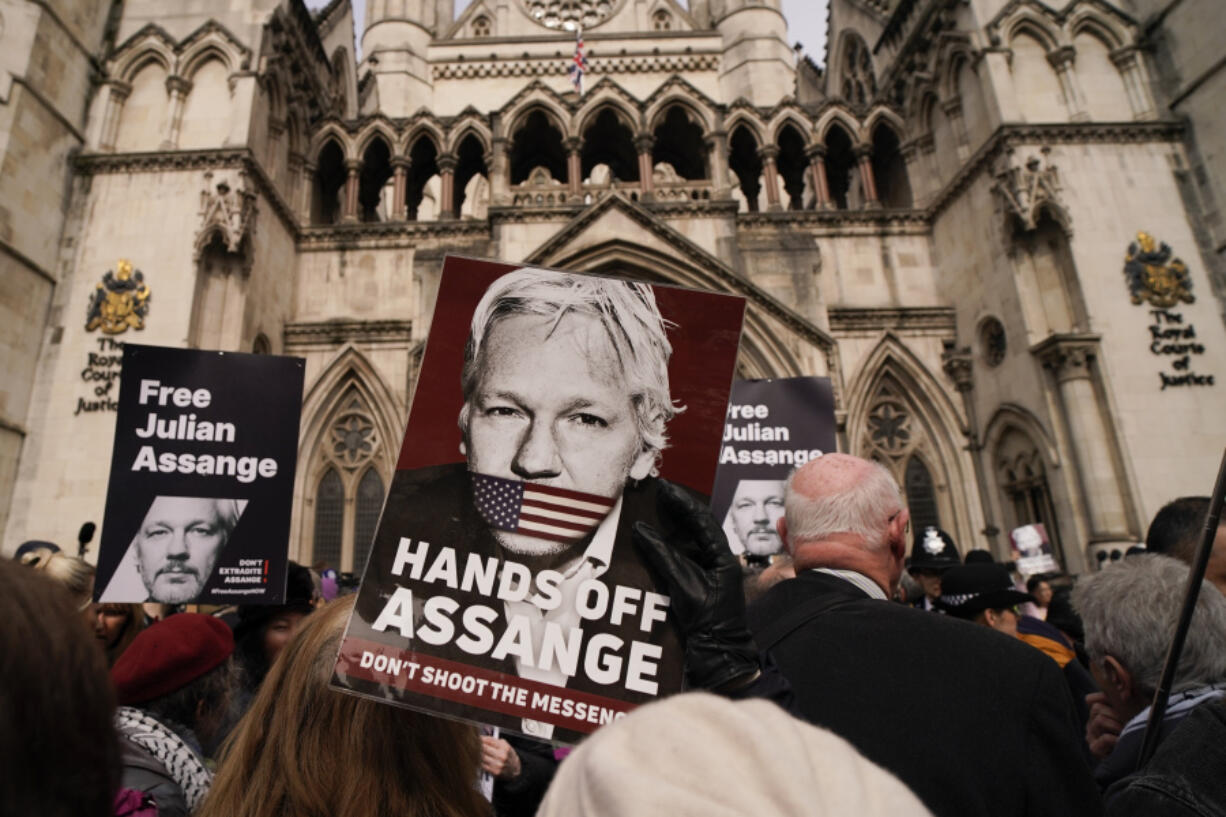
<point>996,226</point>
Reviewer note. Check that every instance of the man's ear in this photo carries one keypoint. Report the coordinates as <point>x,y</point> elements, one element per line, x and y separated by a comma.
<point>781,525</point>
<point>643,463</point>
<point>463,449</point>
<point>897,534</point>
<point>1118,676</point>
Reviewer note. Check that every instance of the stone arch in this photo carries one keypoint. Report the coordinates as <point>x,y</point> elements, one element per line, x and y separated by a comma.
<point>1100,79</point>
<point>538,98</point>
<point>889,167</point>
<point>416,131</point>
<point>607,99</point>
<point>378,129</point>
<point>750,121</point>
<point>836,116</point>
<point>347,376</point>
<point>746,165</point>
<point>1089,19</point>
<point>679,143</point>
<point>793,118</point>
<point>470,124</point>
<point>190,62</point>
<point>1022,463</point>
<point>150,49</point>
<point>897,408</point>
<point>1015,415</point>
<point>328,183</point>
<point>659,108</point>
<point>332,131</point>
<point>1027,22</point>
<point>205,119</point>
<point>608,138</point>
<point>537,141</point>
<point>1039,94</point>
<point>141,116</point>
<point>880,114</point>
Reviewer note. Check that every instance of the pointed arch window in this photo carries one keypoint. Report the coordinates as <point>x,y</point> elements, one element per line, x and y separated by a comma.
<point>921,496</point>
<point>1023,481</point>
<point>352,458</point>
<point>329,519</point>
<point>895,435</point>
<point>366,517</point>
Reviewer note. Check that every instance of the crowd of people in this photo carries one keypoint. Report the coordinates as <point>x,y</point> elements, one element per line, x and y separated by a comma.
<point>837,691</point>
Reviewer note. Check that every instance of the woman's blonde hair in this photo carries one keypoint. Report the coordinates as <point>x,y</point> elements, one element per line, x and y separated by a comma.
<point>305,750</point>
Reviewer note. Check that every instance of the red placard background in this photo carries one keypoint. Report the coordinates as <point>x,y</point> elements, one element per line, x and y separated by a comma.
<point>705,339</point>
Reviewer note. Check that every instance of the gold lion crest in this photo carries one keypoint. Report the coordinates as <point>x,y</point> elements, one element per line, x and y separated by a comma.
<point>1154,276</point>
<point>119,302</point>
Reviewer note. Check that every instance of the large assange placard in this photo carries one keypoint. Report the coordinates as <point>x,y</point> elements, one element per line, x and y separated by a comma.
<point>503,585</point>
<point>202,478</point>
<point>773,426</point>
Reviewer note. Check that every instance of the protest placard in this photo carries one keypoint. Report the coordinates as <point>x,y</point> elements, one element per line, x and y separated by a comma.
<point>202,478</point>
<point>1032,550</point>
<point>503,586</point>
<point>773,426</point>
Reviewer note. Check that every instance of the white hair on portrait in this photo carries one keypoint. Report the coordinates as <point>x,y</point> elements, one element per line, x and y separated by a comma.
<point>865,509</point>
<point>627,311</point>
<point>1129,609</point>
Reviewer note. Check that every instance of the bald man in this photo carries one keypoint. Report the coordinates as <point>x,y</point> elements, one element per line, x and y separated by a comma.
<point>973,721</point>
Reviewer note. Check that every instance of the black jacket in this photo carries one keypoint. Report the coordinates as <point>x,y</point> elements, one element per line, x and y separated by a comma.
<point>974,722</point>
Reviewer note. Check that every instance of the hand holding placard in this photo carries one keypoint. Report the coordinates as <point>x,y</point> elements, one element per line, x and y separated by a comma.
<point>706,593</point>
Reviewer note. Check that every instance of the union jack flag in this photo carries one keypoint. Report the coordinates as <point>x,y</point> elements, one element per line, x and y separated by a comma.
<point>541,511</point>
<point>579,64</point>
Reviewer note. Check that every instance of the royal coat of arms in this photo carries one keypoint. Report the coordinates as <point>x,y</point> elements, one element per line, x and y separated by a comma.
<point>1154,276</point>
<point>119,302</point>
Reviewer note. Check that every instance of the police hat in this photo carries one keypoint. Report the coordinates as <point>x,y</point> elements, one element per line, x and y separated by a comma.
<point>967,590</point>
<point>933,549</point>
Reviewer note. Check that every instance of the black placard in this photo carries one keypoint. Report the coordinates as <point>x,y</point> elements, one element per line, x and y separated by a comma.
<point>202,478</point>
<point>772,427</point>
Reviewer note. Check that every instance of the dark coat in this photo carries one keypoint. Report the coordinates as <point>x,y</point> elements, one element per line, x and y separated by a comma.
<point>974,722</point>
<point>435,505</point>
<point>1184,778</point>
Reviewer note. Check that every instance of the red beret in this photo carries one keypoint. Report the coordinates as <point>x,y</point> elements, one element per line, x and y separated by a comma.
<point>170,655</point>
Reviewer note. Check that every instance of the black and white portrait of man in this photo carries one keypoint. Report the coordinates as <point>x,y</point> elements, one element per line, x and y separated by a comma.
<point>753,516</point>
<point>175,549</point>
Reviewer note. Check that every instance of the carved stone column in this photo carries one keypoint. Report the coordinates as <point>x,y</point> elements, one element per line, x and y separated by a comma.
<point>500,172</point>
<point>1135,82</point>
<point>350,211</point>
<point>821,185</point>
<point>446,173</point>
<point>717,163</point>
<point>574,166</point>
<point>864,157</point>
<point>1071,361</point>
<point>114,108</point>
<point>770,175</point>
<point>644,142</point>
<point>1062,59</point>
<point>178,88</point>
<point>400,174</point>
<point>959,367</point>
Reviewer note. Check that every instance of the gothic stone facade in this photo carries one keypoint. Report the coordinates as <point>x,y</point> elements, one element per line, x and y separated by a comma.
<point>938,221</point>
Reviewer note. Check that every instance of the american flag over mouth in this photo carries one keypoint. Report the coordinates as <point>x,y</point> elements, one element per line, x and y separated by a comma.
<point>542,511</point>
